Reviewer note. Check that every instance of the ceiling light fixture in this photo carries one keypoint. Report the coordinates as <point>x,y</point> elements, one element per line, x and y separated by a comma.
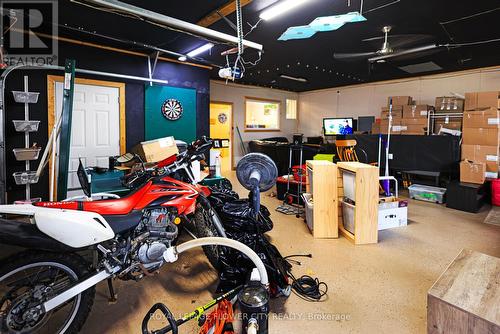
<point>280,8</point>
<point>197,51</point>
<point>293,78</point>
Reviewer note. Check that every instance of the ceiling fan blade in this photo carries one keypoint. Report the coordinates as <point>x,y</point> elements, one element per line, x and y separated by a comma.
<point>400,41</point>
<point>416,55</point>
<point>414,52</point>
<point>353,56</point>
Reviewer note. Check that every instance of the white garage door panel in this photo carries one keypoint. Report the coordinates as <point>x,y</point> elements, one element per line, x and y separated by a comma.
<point>95,130</point>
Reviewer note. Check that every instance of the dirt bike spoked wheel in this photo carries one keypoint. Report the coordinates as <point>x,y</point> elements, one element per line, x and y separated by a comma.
<point>203,227</point>
<point>29,279</point>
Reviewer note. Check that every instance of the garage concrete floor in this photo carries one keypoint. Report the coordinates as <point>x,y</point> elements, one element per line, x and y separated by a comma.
<point>377,288</point>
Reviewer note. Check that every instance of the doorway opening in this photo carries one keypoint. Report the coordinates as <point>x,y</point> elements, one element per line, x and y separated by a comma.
<point>221,129</point>
<point>98,124</point>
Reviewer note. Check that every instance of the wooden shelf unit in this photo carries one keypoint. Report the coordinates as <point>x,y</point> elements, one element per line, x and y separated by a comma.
<point>323,184</point>
<point>366,202</point>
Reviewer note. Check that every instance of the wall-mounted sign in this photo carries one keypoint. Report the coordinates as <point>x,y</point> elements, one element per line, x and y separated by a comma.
<point>222,118</point>
<point>171,109</point>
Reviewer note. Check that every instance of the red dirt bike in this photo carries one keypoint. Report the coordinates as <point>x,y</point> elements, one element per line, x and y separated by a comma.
<point>50,287</point>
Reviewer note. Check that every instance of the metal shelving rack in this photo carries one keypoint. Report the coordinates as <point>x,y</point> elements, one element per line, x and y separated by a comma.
<point>441,115</point>
<point>28,153</point>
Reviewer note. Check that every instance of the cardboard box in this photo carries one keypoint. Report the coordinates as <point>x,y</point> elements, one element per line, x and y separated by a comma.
<point>492,170</point>
<point>397,113</point>
<point>447,123</point>
<point>480,100</point>
<point>485,118</point>
<point>157,149</point>
<point>393,213</point>
<point>416,111</point>
<point>413,126</point>
<point>396,127</point>
<point>414,121</point>
<point>399,100</point>
<point>375,128</point>
<point>481,136</point>
<point>481,153</point>
<point>449,104</point>
<point>472,172</point>
<point>413,130</point>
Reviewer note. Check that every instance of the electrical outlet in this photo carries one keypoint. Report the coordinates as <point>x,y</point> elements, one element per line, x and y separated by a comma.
<point>390,156</point>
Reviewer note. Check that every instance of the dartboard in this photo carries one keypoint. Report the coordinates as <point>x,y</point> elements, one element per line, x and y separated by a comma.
<point>222,118</point>
<point>171,109</point>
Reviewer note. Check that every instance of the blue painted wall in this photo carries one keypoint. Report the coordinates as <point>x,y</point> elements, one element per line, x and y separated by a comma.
<point>157,125</point>
<point>195,78</point>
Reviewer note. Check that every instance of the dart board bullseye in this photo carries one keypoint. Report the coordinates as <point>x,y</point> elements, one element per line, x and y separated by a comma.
<point>171,109</point>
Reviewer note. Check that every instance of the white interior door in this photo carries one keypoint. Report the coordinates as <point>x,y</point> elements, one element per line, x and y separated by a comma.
<point>95,127</point>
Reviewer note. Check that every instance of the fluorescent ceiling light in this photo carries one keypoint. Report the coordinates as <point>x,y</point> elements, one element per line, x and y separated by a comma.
<point>280,8</point>
<point>200,50</point>
<point>182,58</point>
<point>293,78</point>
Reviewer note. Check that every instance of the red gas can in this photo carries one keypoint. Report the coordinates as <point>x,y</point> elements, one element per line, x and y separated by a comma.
<point>495,192</point>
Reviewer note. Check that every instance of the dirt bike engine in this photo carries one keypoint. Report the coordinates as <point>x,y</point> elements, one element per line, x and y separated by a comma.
<point>159,223</point>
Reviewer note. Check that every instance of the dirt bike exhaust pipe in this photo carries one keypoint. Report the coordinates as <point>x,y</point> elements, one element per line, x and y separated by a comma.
<point>60,299</point>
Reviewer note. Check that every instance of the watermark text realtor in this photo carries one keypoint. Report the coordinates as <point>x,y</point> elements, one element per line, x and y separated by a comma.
<point>29,31</point>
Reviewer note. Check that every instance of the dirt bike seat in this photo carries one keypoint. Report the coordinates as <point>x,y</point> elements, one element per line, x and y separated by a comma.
<point>119,206</point>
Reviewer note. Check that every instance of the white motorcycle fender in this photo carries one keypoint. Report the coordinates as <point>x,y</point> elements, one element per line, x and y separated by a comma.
<point>73,228</point>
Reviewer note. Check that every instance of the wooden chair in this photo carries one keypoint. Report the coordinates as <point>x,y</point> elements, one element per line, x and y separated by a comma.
<point>346,151</point>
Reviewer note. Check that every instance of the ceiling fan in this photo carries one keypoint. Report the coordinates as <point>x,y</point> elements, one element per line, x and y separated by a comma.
<point>407,45</point>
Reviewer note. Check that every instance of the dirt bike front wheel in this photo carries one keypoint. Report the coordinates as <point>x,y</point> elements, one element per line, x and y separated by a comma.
<point>203,227</point>
<point>30,278</point>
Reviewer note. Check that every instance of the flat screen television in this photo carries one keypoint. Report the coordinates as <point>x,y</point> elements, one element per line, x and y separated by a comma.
<point>338,126</point>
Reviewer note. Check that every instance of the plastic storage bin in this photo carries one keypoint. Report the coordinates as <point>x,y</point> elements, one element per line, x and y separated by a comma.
<point>25,177</point>
<point>23,154</point>
<point>26,126</point>
<point>309,206</point>
<point>349,182</point>
<point>348,215</point>
<point>427,193</point>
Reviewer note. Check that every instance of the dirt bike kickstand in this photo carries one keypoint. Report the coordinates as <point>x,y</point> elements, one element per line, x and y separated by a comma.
<point>112,295</point>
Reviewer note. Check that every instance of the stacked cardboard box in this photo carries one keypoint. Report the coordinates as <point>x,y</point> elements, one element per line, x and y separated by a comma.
<point>414,121</point>
<point>446,104</point>
<point>481,137</point>
<point>398,103</point>
<point>482,100</point>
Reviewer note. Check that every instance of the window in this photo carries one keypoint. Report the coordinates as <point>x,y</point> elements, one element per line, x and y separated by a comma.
<point>291,109</point>
<point>262,115</point>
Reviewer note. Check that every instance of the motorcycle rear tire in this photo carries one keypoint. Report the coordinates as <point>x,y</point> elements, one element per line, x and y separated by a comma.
<point>72,261</point>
